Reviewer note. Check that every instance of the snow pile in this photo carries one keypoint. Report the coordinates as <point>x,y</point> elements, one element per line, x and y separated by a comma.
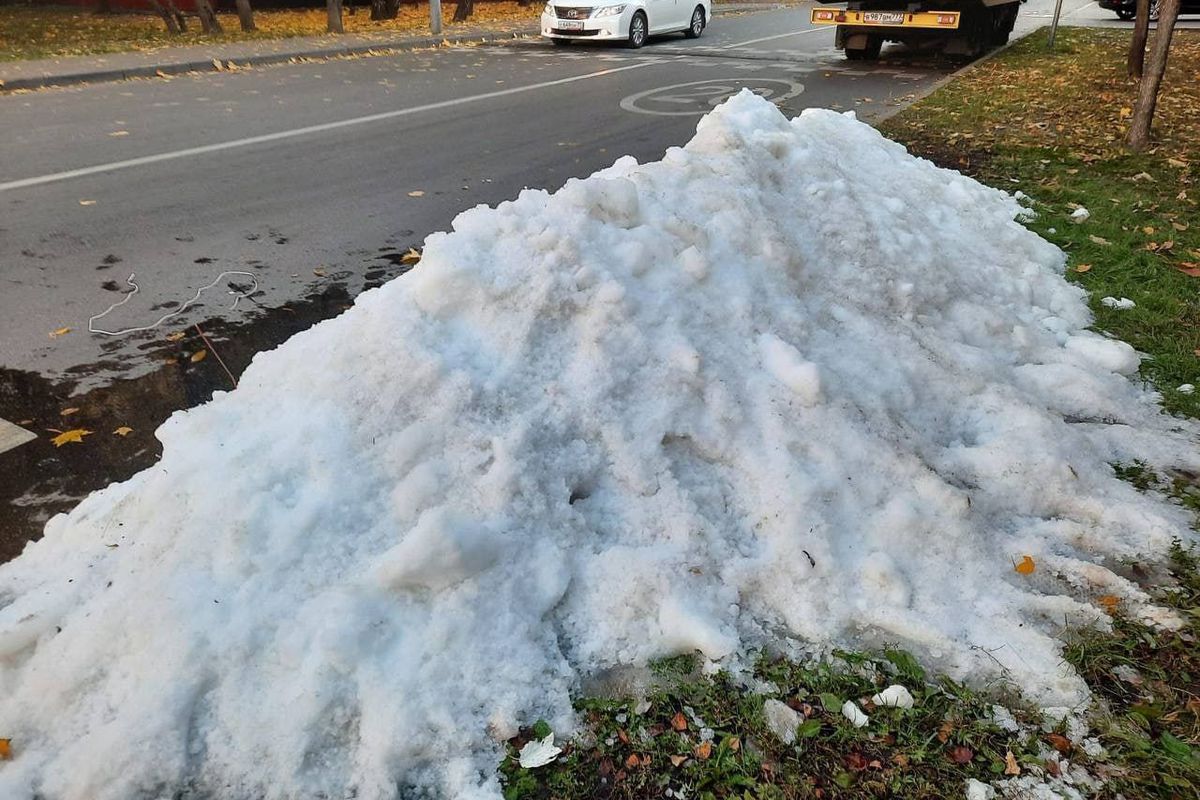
<point>788,386</point>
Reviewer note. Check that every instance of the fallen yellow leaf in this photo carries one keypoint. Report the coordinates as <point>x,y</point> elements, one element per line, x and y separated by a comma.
<point>1011,767</point>
<point>677,761</point>
<point>411,257</point>
<point>5,749</point>
<point>59,332</point>
<point>703,750</point>
<point>67,411</point>
<point>1082,267</point>
<point>1026,567</point>
<point>124,430</point>
<point>1110,602</point>
<point>73,435</point>
<point>417,193</point>
<point>199,355</point>
<point>87,202</point>
<point>175,337</point>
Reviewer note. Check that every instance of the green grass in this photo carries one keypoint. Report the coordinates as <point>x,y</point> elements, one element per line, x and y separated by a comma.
<point>642,747</point>
<point>31,32</point>
<point>1052,127</point>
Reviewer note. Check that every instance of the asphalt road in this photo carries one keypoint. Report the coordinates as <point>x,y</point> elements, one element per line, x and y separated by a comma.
<point>461,125</point>
<point>315,179</point>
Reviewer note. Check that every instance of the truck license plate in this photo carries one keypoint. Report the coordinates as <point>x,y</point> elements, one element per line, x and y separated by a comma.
<point>884,17</point>
<point>570,25</point>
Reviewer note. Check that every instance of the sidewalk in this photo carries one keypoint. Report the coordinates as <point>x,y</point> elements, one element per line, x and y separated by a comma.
<point>68,70</point>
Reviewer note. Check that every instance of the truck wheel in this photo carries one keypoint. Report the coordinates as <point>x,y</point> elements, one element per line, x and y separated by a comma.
<point>869,52</point>
<point>1004,19</point>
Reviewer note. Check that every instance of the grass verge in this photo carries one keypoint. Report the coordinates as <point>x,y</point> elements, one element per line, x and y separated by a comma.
<point>28,32</point>
<point>1050,126</point>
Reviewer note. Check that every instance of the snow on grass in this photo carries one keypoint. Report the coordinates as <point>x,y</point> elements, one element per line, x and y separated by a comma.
<point>789,386</point>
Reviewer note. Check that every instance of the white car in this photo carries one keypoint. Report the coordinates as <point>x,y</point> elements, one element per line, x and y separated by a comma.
<point>630,22</point>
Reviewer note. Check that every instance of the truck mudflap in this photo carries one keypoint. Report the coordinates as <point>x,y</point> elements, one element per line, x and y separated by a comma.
<point>938,20</point>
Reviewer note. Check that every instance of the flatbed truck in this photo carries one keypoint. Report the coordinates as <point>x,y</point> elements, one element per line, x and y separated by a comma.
<point>957,27</point>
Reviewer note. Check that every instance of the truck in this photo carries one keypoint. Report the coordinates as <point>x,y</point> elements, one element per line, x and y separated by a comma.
<point>957,27</point>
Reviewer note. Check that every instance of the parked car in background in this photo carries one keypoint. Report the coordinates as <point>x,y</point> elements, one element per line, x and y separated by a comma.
<point>630,22</point>
<point>1127,9</point>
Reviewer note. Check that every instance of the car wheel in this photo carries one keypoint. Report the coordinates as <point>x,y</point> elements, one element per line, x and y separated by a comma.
<point>697,27</point>
<point>1126,14</point>
<point>637,30</point>
<point>1155,7</point>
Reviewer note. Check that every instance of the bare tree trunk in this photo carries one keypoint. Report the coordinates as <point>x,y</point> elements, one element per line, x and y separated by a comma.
<point>179,16</point>
<point>167,18</point>
<point>245,15</point>
<point>1148,86</point>
<point>333,10</point>
<point>1137,47</point>
<point>208,18</point>
<point>463,9</point>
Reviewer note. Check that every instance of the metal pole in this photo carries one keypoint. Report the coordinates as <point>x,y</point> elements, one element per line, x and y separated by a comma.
<point>435,16</point>
<point>1054,23</point>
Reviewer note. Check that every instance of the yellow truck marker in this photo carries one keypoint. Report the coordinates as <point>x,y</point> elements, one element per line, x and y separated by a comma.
<point>943,20</point>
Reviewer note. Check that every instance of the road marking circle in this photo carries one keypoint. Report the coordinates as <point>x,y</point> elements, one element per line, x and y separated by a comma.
<point>699,97</point>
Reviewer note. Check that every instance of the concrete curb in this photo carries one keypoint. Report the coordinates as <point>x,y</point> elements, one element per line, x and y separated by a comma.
<point>102,75</point>
<point>963,70</point>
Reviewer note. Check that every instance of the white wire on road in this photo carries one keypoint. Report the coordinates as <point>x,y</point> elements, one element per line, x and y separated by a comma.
<point>238,295</point>
<point>308,129</point>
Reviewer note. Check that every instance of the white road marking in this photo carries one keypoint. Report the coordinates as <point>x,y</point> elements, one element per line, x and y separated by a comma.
<point>13,436</point>
<point>308,129</point>
<point>776,36</point>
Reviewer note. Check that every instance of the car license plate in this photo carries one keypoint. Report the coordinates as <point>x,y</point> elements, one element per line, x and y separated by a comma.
<point>570,25</point>
<point>884,17</point>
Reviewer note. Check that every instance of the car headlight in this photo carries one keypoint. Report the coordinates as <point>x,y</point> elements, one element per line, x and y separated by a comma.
<point>609,11</point>
<point>549,10</point>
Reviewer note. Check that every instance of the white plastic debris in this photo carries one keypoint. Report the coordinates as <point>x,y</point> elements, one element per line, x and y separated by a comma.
<point>1079,215</point>
<point>852,712</point>
<point>539,753</point>
<point>1122,304</point>
<point>978,790</point>
<point>782,720</point>
<point>894,696</point>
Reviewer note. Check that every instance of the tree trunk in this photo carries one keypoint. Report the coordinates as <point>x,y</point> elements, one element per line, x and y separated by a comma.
<point>1137,47</point>
<point>208,18</point>
<point>245,15</point>
<point>167,18</point>
<point>463,9</point>
<point>333,10</point>
<point>1148,86</point>
<point>180,19</point>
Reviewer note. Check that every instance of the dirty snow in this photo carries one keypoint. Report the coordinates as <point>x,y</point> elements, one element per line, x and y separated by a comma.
<point>788,386</point>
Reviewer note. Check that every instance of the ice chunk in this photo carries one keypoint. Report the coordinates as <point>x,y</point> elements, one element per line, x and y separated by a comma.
<point>895,696</point>
<point>852,712</point>
<point>781,720</point>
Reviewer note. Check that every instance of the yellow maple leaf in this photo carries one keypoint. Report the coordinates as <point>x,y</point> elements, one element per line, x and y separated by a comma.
<point>73,435</point>
<point>1026,567</point>
<point>124,430</point>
